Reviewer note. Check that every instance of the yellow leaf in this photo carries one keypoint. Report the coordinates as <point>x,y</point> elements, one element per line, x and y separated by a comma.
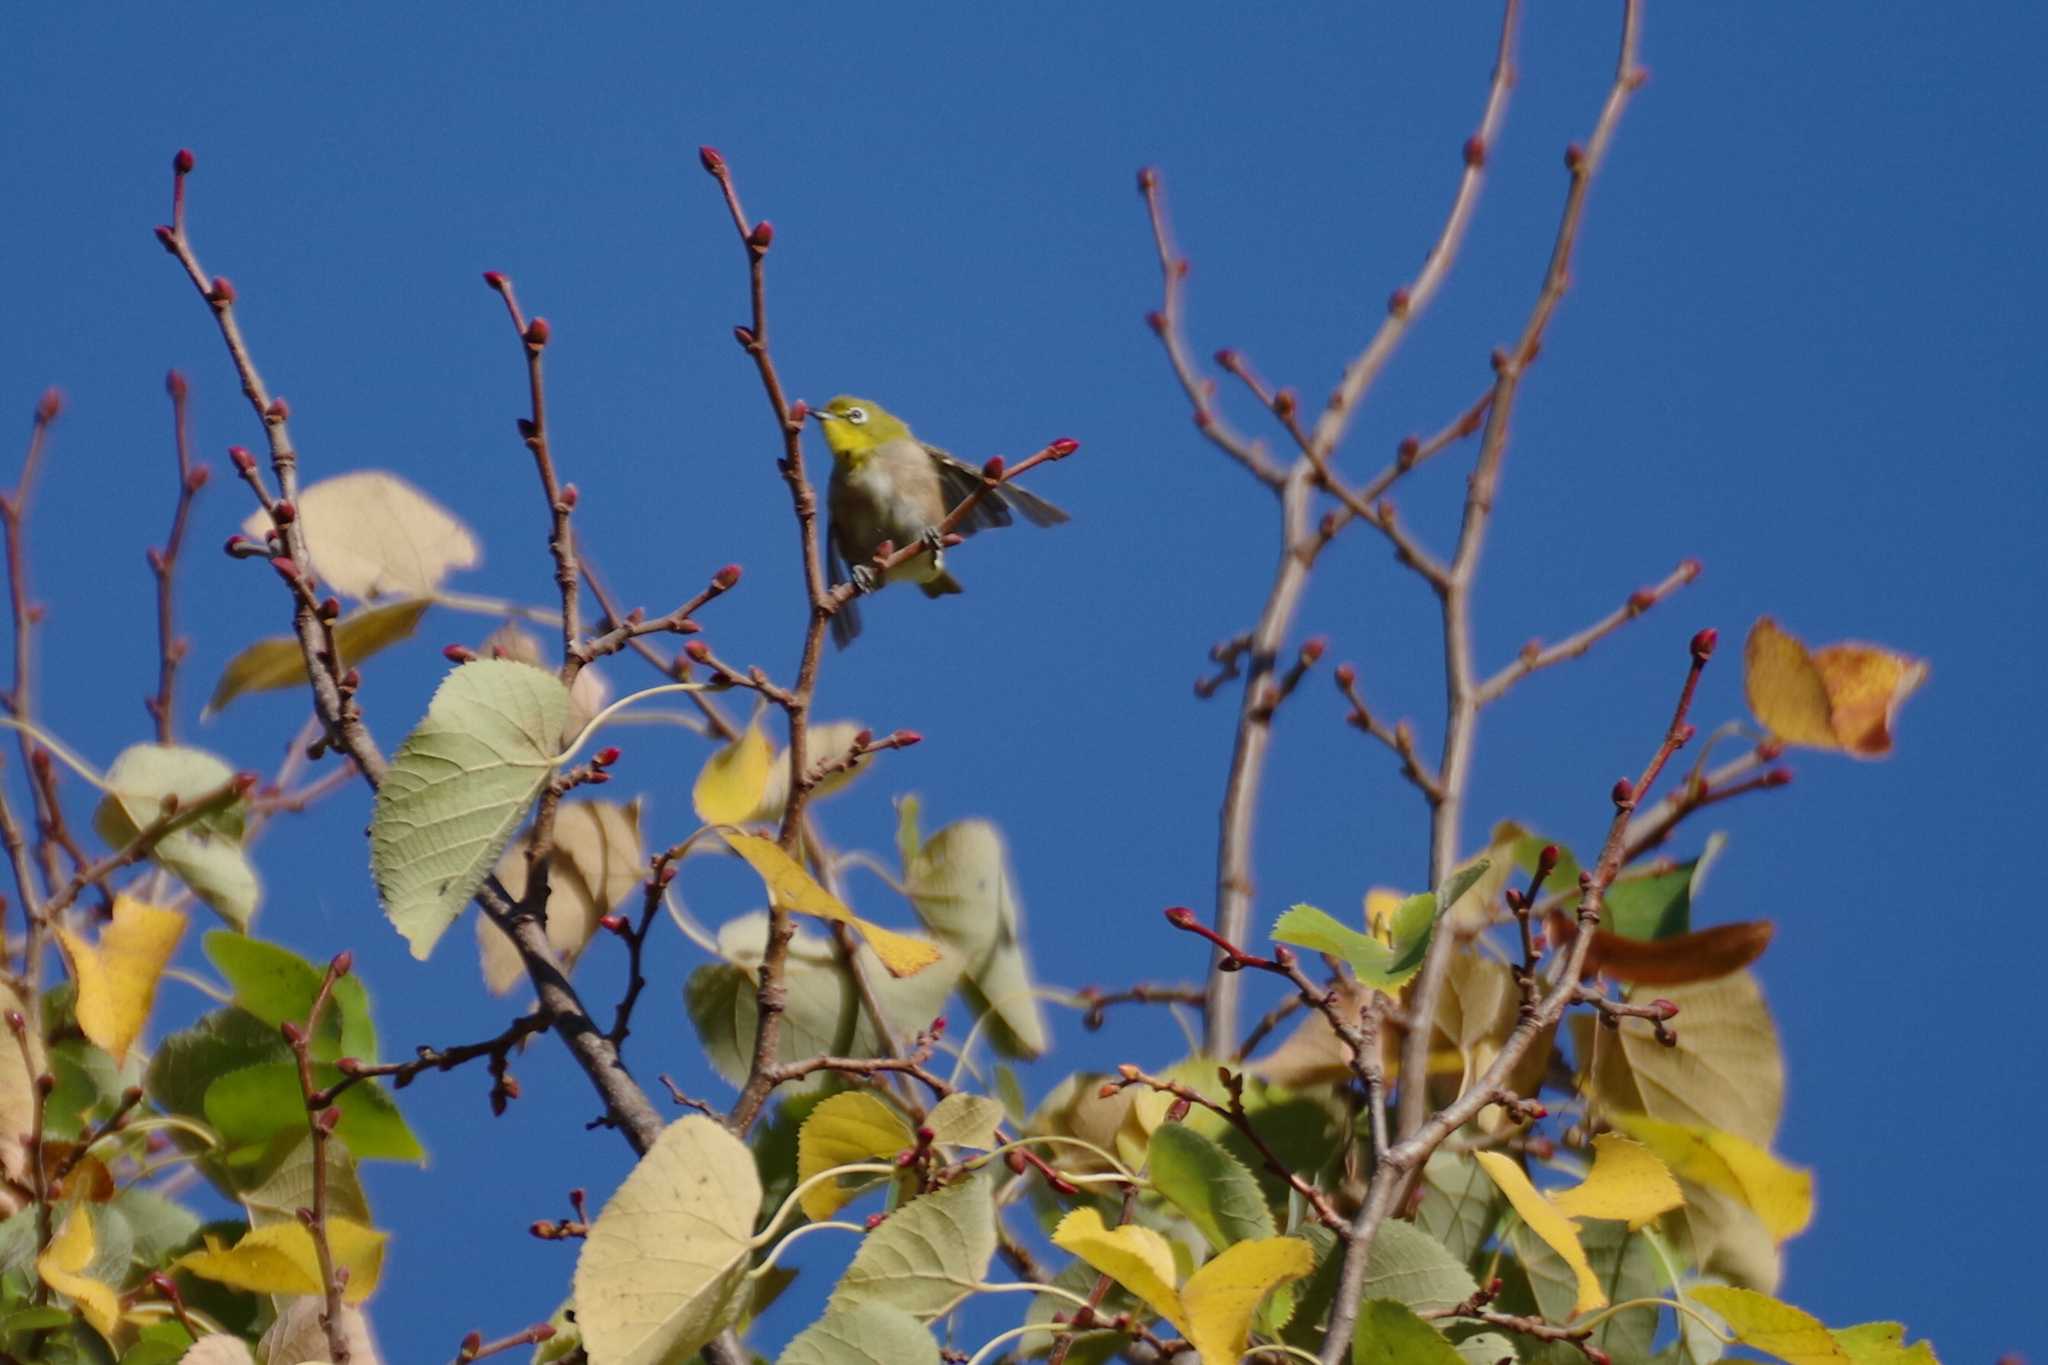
<point>731,784</point>
<point>62,1266</point>
<point>1779,1194</point>
<point>372,534</point>
<point>281,1259</point>
<point>278,662</point>
<point>1790,1334</point>
<point>1141,1120</point>
<point>1220,1298</point>
<point>791,888</point>
<point>1841,697</point>
<point>1135,1257</point>
<point>1546,1222</point>
<point>845,1128</point>
<point>117,978</point>
<point>596,866</point>
<point>1380,905</point>
<point>1627,1184</point>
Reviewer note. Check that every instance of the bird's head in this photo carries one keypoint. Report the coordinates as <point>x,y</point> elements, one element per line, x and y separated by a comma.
<point>853,427</point>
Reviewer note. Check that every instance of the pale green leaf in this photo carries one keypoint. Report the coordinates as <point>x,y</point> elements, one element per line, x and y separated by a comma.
<point>1385,966</point>
<point>964,1120</point>
<point>660,1273</point>
<point>1209,1185</point>
<point>928,1255</point>
<point>962,888</point>
<point>458,788</point>
<point>866,1334</point>
<point>1389,1333</point>
<point>205,854</point>
<point>1411,1267</point>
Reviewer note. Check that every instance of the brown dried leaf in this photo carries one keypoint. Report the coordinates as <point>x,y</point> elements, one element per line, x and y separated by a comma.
<point>1700,956</point>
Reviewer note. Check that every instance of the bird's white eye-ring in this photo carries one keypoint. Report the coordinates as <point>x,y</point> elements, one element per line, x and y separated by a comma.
<point>856,415</point>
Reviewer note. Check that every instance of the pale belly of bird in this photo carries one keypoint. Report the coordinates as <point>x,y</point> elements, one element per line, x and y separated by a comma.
<point>889,497</point>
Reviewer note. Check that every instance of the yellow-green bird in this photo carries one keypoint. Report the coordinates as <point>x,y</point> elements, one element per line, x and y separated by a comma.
<point>888,485</point>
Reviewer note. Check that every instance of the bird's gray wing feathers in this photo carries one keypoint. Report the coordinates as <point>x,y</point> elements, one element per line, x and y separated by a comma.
<point>959,479</point>
<point>845,621</point>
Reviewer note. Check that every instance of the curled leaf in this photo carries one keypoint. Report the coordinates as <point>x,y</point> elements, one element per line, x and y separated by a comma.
<point>792,888</point>
<point>62,1266</point>
<point>277,662</point>
<point>1547,1222</point>
<point>1779,1194</point>
<point>1700,956</point>
<point>1627,1184</point>
<point>1841,697</point>
<point>117,977</point>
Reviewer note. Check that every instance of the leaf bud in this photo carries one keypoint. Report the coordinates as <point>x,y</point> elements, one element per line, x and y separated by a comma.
<point>1397,303</point>
<point>329,608</point>
<point>1514,899</point>
<point>175,385</point>
<point>711,161</point>
<point>1777,777</point>
<point>1227,358</point>
<point>16,1024</point>
<point>278,411</point>
<point>293,1034</point>
<point>1704,642</point>
<point>744,336</point>
<point>537,333</point>
<point>183,162</point>
<point>570,496</point>
<point>1148,180</point>
<point>344,962</point>
<point>1690,568</point>
<point>283,513</point>
<point>541,1332</point>
<point>457,654</point>
<point>698,651</point>
<point>241,459</point>
<point>156,560</point>
<point>1179,916</point>
<point>1574,157</point>
<point>863,740</point>
<point>222,290</point>
<point>197,477</point>
<point>1665,1008</point>
<point>348,1066</point>
<point>1156,320</point>
<point>1285,402</point>
<point>1312,648</point>
<point>329,1119</point>
<point>1624,793</point>
<point>992,469</point>
<point>496,280</point>
<point>903,739</point>
<point>167,239</point>
<point>762,237</point>
<point>1408,452</point>
<point>1475,151</point>
<point>287,568</point>
<point>1642,599</point>
<point>615,924</point>
<point>46,1084</point>
<point>873,1221</point>
<point>471,1344</point>
<point>1063,447</point>
<point>1346,675</point>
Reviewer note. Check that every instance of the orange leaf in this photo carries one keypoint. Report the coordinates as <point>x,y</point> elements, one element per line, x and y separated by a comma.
<point>1673,961</point>
<point>1840,697</point>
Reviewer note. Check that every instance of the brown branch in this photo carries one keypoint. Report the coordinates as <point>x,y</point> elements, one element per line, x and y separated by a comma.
<point>1539,656</point>
<point>321,1118</point>
<point>1098,1002</point>
<point>1400,737</point>
<point>163,564</point>
<point>41,1084</point>
<point>1405,1158</point>
<point>498,1049</point>
<point>474,1347</point>
<point>1461,683</point>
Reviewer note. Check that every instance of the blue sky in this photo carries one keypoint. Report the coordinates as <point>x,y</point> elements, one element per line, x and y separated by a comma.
<point>1801,345</point>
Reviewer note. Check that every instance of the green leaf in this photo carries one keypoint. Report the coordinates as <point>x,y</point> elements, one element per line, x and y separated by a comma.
<point>928,1255</point>
<point>964,1120</point>
<point>1389,1333</point>
<point>206,854</point>
<point>1882,1343</point>
<point>908,839</point>
<point>1659,905</point>
<point>854,1126</point>
<point>157,1226</point>
<point>1411,1267</point>
<point>278,662</point>
<point>283,1184</point>
<point>1460,881</point>
<point>962,888</point>
<point>251,1106</point>
<point>458,788</point>
<point>189,1061</point>
<point>1378,964</point>
<point>1209,1185</point>
<point>1624,1265</point>
<point>661,1271</point>
<point>275,984</point>
<point>867,1334</point>
<point>1486,1348</point>
<point>1460,1206</point>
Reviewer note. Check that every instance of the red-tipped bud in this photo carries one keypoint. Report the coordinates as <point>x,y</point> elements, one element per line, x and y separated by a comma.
<point>1624,793</point>
<point>1179,916</point>
<point>495,279</point>
<point>607,756</point>
<point>1203,420</point>
<point>471,1344</point>
<point>1777,777</point>
<point>457,654</point>
<point>1148,180</point>
<point>222,290</point>
<point>329,608</point>
<point>287,568</point>
<point>1063,447</point>
<point>1347,675</point>
<point>873,1221</point>
<point>241,459</point>
<point>246,782</point>
<point>1665,1009</point>
<point>283,513</point>
<point>1574,157</point>
<point>175,385</point>
<point>1397,303</point>
<point>183,162</point>
<point>903,739</point>
<point>1015,1161</point>
<point>1704,642</point>
<point>1156,320</point>
<point>344,963</point>
<point>1181,268</point>
<point>1690,569</point>
<point>710,160</point>
<point>278,411</point>
<point>167,239</point>
<point>1312,648</point>
<point>763,235</point>
<point>1475,151</point>
<point>352,680</point>
<point>198,477</point>
<point>46,1085</point>
<point>348,1066</point>
<point>527,430</point>
<point>329,1119</point>
<point>992,469</point>
<point>1596,1356</point>
<point>615,924</point>
<point>1227,358</point>
<point>537,332</point>
<point>938,1027</point>
<point>293,1034</point>
<point>156,559</point>
<point>16,1024</point>
<point>1546,861</point>
<point>863,740</point>
<point>744,336</point>
<point>541,1332</point>
<point>570,496</point>
<point>1770,748</point>
<point>1408,452</point>
<point>698,651</point>
<point>49,405</point>
<point>667,874</point>
<point>1285,402</point>
<point>165,1286</point>
<point>799,413</point>
<point>1514,899</point>
<point>726,578</point>
<point>1642,599</point>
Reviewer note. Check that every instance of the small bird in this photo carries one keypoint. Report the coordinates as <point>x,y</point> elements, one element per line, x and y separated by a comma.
<point>888,485</point>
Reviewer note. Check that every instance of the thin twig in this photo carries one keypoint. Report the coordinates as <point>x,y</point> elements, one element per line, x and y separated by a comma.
<point>163,564</point>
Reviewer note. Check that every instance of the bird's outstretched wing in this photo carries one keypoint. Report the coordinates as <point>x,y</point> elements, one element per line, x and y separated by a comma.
<point>845,621</point>
<point>958,479</point>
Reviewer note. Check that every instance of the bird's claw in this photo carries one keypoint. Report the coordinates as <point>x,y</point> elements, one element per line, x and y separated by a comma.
<point>934,540</point>
<point>864,579</point>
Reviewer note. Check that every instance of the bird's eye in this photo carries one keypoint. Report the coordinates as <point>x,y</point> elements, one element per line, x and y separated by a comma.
<point>856,415</point>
